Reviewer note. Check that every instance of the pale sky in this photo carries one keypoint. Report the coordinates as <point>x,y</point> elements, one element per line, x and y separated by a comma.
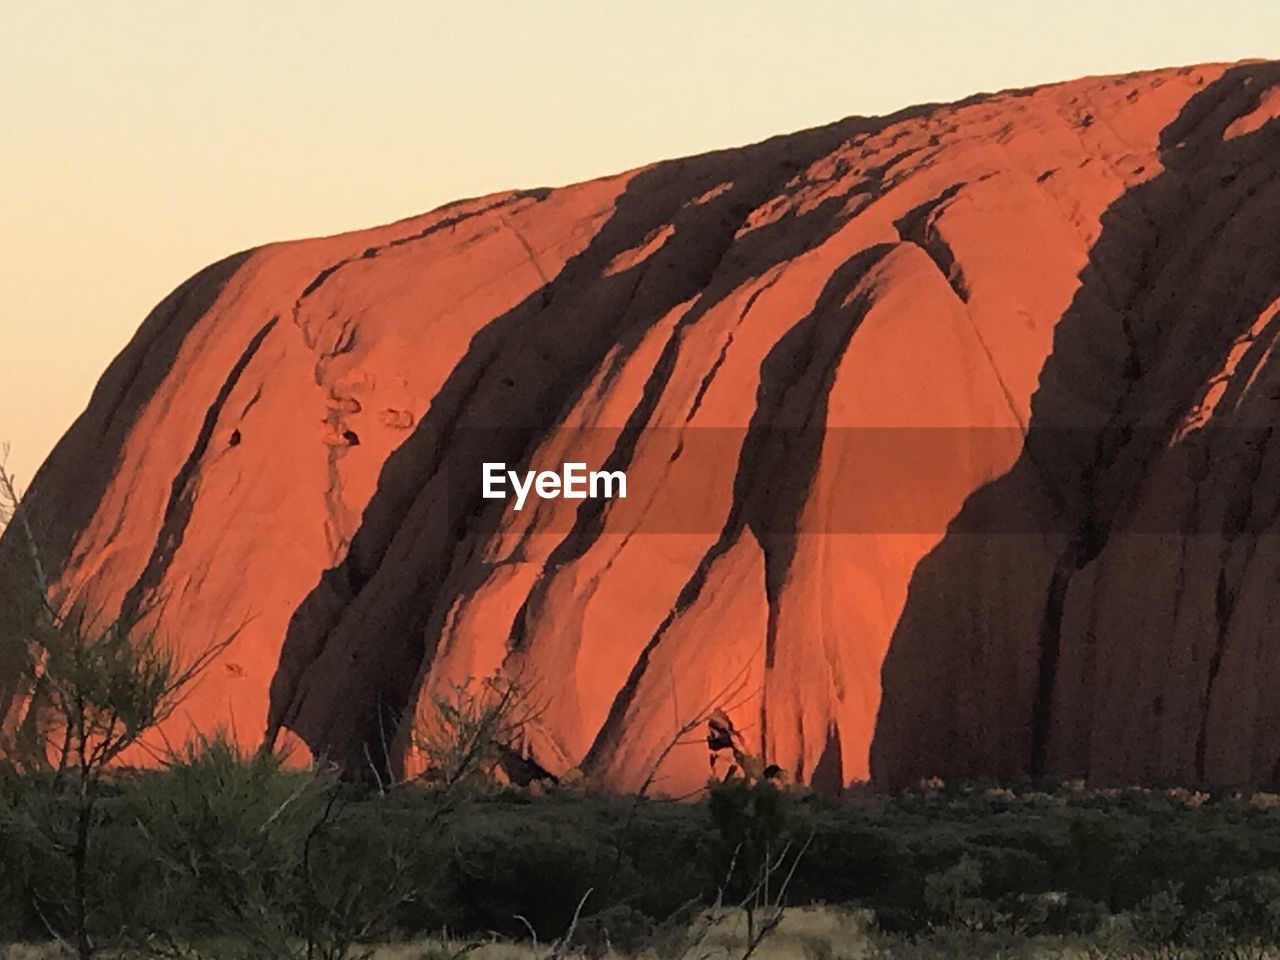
<point>140,141</point>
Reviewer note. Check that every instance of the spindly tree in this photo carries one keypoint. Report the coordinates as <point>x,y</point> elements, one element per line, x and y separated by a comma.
<point>88,688</point>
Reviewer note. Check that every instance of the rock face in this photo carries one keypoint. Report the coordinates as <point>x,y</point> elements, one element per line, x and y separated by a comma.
<point>975,395</point>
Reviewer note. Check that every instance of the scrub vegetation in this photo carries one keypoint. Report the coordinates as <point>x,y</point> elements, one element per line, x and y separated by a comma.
<point>223,854</point>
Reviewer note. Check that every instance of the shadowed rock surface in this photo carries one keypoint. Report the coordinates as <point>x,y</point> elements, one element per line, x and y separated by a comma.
<point>978,395</point>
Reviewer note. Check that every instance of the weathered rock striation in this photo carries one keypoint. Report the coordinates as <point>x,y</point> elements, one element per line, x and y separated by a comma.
<point>969,405</point>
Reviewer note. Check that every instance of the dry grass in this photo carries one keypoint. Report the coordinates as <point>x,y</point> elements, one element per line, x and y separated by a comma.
<point>804,933</point>
<point>808,933</point>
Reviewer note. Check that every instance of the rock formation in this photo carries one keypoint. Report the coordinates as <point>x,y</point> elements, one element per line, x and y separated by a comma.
<point>976,394</point>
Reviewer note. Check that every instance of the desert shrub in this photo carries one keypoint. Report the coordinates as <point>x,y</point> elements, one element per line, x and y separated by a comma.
<point>856,862</point>
<point>1009,871</point>
<point>618,928</point>
<point>1163,917</point>
<point>664,856</point>
<point>502,855</point>
<point>223,832</point>
<point>1246,907</point>
<point>1232,913</point>
<point>504,863</point>
<point>953,898</point>
<point>1106,852</point>
<point>39,822</point>
<point>23,858</point>
<point>1054,913</point>
<point>758,829</point>
<point>275,860</point>
<point>464,730</point>
<point>1041,836</point>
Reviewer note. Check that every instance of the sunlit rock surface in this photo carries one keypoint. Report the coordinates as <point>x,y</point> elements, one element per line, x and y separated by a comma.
<point>946,436</point>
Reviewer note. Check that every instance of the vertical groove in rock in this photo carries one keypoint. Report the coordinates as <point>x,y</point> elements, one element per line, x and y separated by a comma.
<point>177,511</point>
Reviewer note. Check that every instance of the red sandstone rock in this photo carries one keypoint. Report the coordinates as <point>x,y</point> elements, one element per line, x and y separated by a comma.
<point>817,358</point>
